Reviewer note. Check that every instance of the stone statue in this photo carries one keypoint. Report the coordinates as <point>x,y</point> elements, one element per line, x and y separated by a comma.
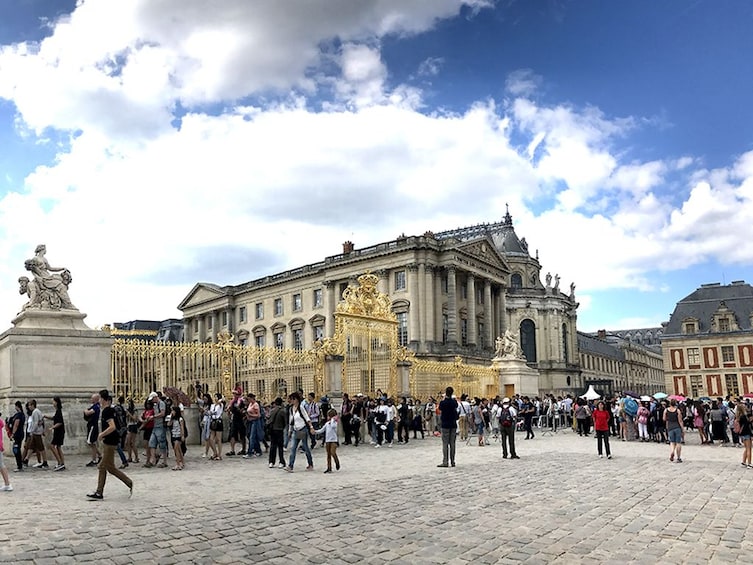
<point>49,288</point>
<point>507,347</point>
<point>572,290</point>
<point>548,280</point>
<point>556,283</point>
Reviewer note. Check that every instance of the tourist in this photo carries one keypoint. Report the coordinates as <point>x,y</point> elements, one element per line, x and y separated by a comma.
<point>237,411</point>
<point>529,410</point>
<point>278,421</point>
<point>253,427</point>
<point>417,425</point>
<point>329,431</point>
<point>465,419</point>
<point>58,433</point>
<point>732,423</point>
<point>744,426</point>
<point>158,439</point>
<point>448,416</point>
<point>675,431</point>
<point>132,449</point>
<point>121,422</point>
<point>346,415</point>
<point>3,469</point>
<point>147,425</point>
<point>177,434</point>
<point>216,427</point>
<point>314,413</point>
<point>404,412</point>
<point>204,403</point>
<point>110,438</point>
<point>717,415</point>
<point>36,429</point>
<point>601,418</point>
<point>699,421</point>
<point>91,415</point>
<point>478,411</point>
<point>359,419</point>
<point>16,433</point>
<point>429,415</point>
<point>659,427</point>
<point>381,414</point>
<point>507,418</point>
<point>300,428</point>
<point>391,422</point>
<point>643,415</point>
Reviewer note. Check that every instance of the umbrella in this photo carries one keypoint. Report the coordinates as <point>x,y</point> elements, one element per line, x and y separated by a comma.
<point>631,393</point>
<point>660,395</point>
<point>705,399</point>
<point>645,398</point>
<point>177,395</point>
<point>591,394</point>
<point>748,395</point>
<point>677,397</point>
<point>631,406</point>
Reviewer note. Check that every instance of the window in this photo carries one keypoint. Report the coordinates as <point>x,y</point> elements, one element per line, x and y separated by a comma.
<point>481,336</point>
<point>696,388</point>
<point>516,281</point>
<point>278,306</point>
<point>259,341</point>
<point>259,310</point>
<point>528,340</point>
<point>242,314</point>
<point>402,328</point>
<point>445,284</point>
<point>343,286</point>
<point>728,354</point>
<point>297,339</point>
<point>723,324</point>
<point>224,319</point>
<point>318,333</point>
<point>318,298</point>
<point>297,302</point>
<point>690,327</point>
<point>565,348</point>
<point>280,340</point>
<point>694,356</point>
<point>445,328</point>
<point>463,331</point>
<point>733,388</point>
<point>399,280</point>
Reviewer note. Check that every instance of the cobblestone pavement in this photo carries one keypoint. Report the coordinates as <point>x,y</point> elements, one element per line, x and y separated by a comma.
<point>558,504</point>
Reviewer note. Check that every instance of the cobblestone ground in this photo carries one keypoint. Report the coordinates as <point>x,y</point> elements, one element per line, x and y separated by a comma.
<point>558,504</point>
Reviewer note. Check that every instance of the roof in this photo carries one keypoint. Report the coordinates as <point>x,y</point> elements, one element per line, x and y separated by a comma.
<point>702,303</point>
<point>502,233</point>
<point>590,344</point>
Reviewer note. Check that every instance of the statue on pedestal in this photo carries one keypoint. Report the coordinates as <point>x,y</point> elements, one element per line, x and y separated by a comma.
<point>507,347</point>
<point>49,288</point>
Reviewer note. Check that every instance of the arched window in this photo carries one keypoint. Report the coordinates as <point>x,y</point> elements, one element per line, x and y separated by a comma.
<point>565,350</point>
<point>528,340</point>
<point>516,281</point>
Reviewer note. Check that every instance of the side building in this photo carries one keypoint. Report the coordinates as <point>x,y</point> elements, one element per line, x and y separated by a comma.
<point>613,363</point>
<point>708,342</point>
<point>453,293</point>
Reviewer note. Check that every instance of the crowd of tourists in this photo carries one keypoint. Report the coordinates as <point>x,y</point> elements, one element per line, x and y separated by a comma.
<point>158,429</point>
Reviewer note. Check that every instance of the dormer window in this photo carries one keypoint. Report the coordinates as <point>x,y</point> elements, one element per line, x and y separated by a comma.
<point>724,319</point>
<point>723,324</point>
<point>690,328</point>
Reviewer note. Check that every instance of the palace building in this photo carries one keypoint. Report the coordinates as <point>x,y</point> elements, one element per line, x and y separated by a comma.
<point>453,294</point>
<point>708,342</point>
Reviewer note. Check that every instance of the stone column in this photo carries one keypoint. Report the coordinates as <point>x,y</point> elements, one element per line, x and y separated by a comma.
<point>200,337</point>
<point>383,285</point>
<point>429,306</point>
<point>502,311</point>
<point>452,307</point>
<point>230,319</point>
<point>215,320</point>
<point>438,302</point>
<point>187,329</point>
<point>471,308</point>
<point>414,325</point>
<point>330,302</point>
<point>488,314</point>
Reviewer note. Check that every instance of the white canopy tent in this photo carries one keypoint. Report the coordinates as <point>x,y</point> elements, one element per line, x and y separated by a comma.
<point>591,394</point>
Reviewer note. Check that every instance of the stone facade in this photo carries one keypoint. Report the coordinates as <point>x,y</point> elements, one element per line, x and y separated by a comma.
<point>708,342</point>
<point>453,293</point>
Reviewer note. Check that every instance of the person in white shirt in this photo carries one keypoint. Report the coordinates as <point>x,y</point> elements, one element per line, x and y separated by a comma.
<point>464,410</point>
<point>329,431</point>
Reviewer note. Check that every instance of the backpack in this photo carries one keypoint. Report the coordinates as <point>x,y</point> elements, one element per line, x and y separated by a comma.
<point>505,417</point>
<point>120,419</point>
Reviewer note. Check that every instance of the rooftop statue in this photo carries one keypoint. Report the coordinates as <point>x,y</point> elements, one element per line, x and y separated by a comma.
<point>48,290</point>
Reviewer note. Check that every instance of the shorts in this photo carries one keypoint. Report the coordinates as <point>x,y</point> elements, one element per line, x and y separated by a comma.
<point>35,443</point>
<point>480,429</point>
<point>675,435</point>
<point>745,438</point>
<point>147,434</point>
<point>91,435</point>
<point>58,436</point>
<point>237,432</point>
<point>1,460</point>
<point>158,439</point>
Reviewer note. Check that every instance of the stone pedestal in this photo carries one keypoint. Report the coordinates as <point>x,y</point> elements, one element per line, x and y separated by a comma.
<point>53,353</point>
<point>516,377</point>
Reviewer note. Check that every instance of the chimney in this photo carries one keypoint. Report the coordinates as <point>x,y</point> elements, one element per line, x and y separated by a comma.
<point>601,334</point>
<point>348,247</point>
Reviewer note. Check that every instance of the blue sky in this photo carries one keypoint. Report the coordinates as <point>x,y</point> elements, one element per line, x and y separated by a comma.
<point>152,145</point>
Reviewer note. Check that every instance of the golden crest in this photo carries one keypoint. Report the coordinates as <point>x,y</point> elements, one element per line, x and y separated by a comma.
<point>366,300</point>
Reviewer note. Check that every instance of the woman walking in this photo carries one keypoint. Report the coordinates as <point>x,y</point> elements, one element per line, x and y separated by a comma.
<point>745,432</point>
<point>643,415</point>
<point>132,449</point>
<point>675,432</point>
<point>300,427</point>
<point>278,421</point>
<point>177,434</point>
<point>699,421</point>
<point>601,418</point>
<point>215,427</point>
<point>58,433</point>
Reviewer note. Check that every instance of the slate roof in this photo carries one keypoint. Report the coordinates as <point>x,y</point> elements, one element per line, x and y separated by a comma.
<point>599,347</point>
<point>702,303</point>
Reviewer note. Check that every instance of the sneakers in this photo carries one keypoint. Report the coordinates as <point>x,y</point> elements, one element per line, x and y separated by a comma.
<point>377,446</point>
<point>310,468</point>
<point>38,465</point>
<point>389,444</point>
<point>514,457</point>
<point>161,465</point>
<point>601,456</point>
<point>271,465</point>
<point>288,469</point>
<point>95,496</point>
<point>148,464</point>
<point>230,453</point>
<point>337,466</point>
<point>609,456</point>
<point>60,467</point>
<point>18,470</point>
<point>281,466</point>
<point>327,471</point>
<point>45,465</point>
<point>442,465</point>
<point>130,491</point>
<point>124,465</point>
<point>679,460</point>
<point>93,463</point>
<point>6,488</point>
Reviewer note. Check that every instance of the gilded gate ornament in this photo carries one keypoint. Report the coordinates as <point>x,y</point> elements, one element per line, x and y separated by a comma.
<point>366,300</point>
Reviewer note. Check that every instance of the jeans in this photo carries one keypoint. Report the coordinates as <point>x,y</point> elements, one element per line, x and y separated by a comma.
<point>527,425</point>
<point>448,445</point>
<point>294,449</point>
<point>253,430</point>
<point>603,436</point>
<point>157,439</point>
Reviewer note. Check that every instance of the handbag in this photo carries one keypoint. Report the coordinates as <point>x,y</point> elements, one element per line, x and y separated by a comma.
<point>215,425</point>
<point>301,434</point>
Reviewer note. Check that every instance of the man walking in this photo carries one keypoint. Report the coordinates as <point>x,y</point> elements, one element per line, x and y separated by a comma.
<point>507,418</point>
<point>158,439</point>
<point>36,427</point>
<point>92,430</point>
<point>448,416</point>
<point>110,438</point>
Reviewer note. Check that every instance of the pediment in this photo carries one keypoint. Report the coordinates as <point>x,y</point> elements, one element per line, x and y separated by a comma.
<point>484,251</point>
<point>201,293</point>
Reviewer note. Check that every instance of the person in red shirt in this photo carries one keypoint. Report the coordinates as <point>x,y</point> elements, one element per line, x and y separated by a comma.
<point>601,425</point>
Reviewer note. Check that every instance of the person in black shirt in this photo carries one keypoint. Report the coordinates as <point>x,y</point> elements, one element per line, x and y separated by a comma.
<point>110,437</point>
<point>448,414</point>
<point>17,429</point>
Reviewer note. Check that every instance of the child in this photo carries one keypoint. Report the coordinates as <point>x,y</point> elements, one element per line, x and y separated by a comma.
<point>177,433</point>
<point>330,438</point>
<point>3,469</point>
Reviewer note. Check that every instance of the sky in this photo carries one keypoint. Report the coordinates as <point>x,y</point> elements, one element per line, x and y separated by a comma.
<point>154,144</point>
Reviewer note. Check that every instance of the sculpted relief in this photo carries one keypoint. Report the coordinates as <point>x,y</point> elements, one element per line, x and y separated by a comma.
<point>48,290</point>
